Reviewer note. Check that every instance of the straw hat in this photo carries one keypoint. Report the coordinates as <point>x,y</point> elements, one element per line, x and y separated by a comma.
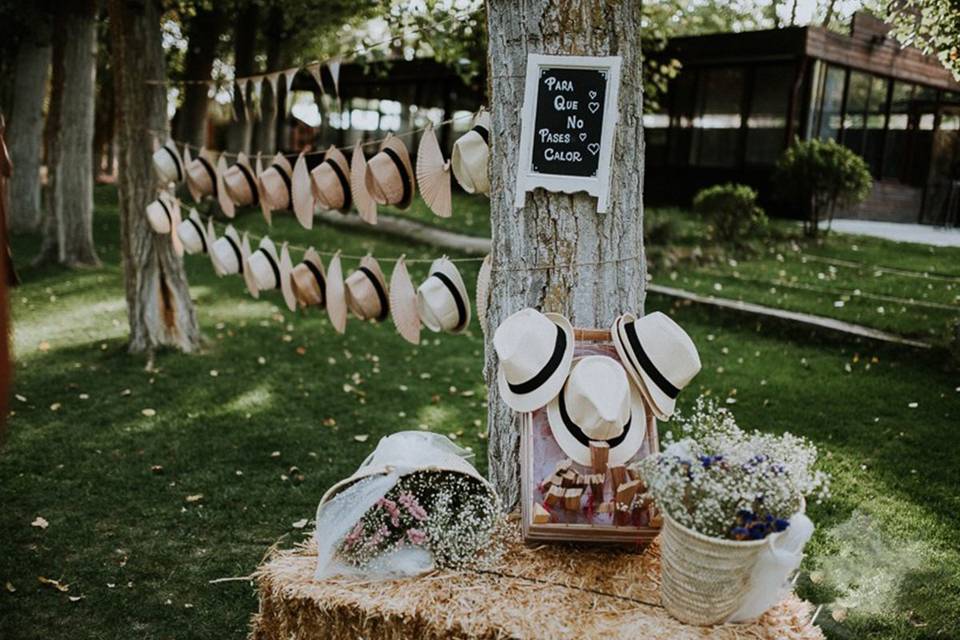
<point>163,214</point>
<point>331,181</point>
<point>223,198</point>
<point>367,295</point>
<point>535,351</point>
<point>265,207</point>
<point>308,280</point>
<point>403,303</point>
<point>302,193</point>
<point>276,181</point>
<point>433,174</point>
<point>442,299</point>
<point>336,295</point>
<point>271,270</point>
<point>201,174</point>
<point>659,356</point>
<point>362,199</point>
<point>193,235</point>
<point>229,253</point>
<point>598,404</point>
<point>168,164</point>
<point>389,178</point>
<point>483,291</point>
<point>240,182</point>
<point>471,156</point>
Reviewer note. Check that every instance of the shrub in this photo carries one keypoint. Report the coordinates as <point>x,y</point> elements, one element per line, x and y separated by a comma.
<point>821,175</point>
<point>732,210</point>
<point>659,228</point>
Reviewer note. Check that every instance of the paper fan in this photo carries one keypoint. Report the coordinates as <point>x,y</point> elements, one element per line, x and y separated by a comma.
<point>336,295</point>
<point>483,291</point>
<point>403,303</point>
<point>264,207</point>
<point>433,174</point>
<point>302,193</point>
<point>362,199</point>
<point>226,204</point>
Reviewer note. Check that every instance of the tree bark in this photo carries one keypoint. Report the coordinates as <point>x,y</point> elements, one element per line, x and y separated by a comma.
<point>159,308</point>
<point>244,51</point>
<point>203,35</point>
<point>49,251</point>
<point>75,173</point>
<point>25,133</point>
<point>556,228</point>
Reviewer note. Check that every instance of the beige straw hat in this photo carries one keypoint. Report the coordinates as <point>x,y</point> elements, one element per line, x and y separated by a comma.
<point>271,269</point>
<point>362,199</point>
<point>265,207</point>
<point>598,404</point>
<point>471,156</point>
<point>336,295</point>
<point>367,295</point>
<point>442,299</point>
<point>276,182</point>
<point>483,291</point>
<point>309,281</point>
<point>161,214</point>
<point>240,182</point>
<point>302,193</point>
<point>403,303</point>
<point>167,163</point>
<point>193,235</point>
<point>534,351</point>
<point>433,174</point>
<point>201,174</point>
<point>331,181</point>
<point>389,178</point>
<point>227,252</point>
<point>659,356</point>
<point>223,198</point>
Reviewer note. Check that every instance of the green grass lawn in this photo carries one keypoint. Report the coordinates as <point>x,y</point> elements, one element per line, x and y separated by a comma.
<point>277,407</point>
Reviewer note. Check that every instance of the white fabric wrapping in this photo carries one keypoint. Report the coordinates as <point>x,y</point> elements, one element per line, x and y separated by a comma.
<point>769,578</point>
<point>346,502</point>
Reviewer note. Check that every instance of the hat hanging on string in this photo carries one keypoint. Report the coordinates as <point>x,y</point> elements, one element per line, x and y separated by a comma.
<point>442,300</point>
<point>163,215</point>
<point>276,181</point>
<point>331,181</point>
<point>598,405</point>
<point>534,351</point>
<point>223,198</point>
<point>309,281</point>
<point>367,295</point>
<point>389,177</point>
<point>471,156</point>
<point>483,291</point>
<point>302,193</point>
<point>270,269</point>
<point>241,183</point>
<point>265,207</point>
<point>201,174</point>
<point>229,252</point>
<point>403,303</point>
<point>433,174</point>
<point>193,234</point>
<point>336,297</point>
<point>168,164</point>
<point>659,356</point>
<point>362,199</point>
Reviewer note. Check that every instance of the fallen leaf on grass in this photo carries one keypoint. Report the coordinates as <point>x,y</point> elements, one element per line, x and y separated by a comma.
<point>55,406</point>
<point>125,392</point>
<point>149,412</point>
<point>300,524</point>
<point>839,615</point>
<point>24,398</point>
<point>75,598</point>
<point>40,522</point>
<point>10,588</point>
<point>196,497</point>
<point>44,346</point>
<point>361,438</point>
<point>329,422</point>
<point>56,584</point>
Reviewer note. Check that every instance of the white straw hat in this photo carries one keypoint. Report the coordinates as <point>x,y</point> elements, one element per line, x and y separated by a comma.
<point>659,356</point>
<point>471,156</point>
<point>193,235</point>
<point>201,174</point>
<point>309,281</point>
<point>277,184</point>
<point>534,351</point>
<point>168,164</point>
<point>442,300</point>
<point>331,181</point>
<point>271,270</point>
<point>389,178</point>
<point>227,253</point>
<point>598,404</point>
<point>161,213</point>
<point>240,182</point>
<point>367,295</point>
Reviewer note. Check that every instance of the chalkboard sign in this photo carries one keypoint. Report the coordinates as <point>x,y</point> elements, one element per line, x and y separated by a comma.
<point>569,117</point>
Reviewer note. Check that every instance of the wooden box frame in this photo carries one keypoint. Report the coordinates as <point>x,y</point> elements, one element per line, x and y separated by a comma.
<point>575,532</point>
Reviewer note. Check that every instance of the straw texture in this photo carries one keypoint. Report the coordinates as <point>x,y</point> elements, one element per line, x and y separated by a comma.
<point>551,591</point>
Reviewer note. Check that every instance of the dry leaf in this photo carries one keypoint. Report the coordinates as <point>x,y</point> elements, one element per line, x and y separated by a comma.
<point>156,469</point>
<point>55,406</point>
<point>125,392</point>
<point>329,422</point>
<point>300,524</point>
<point>196,497</point>
<point>40,522</point>
<point>361,438</point>
<point>20,397</point>
<point>149,412</point>
<point>839,615</point>
<point>75,598</point>
<point>44,346</point>
<point>301,350</point>
<point>9,586</point>
<point>56,584</point>
<point>214,373</point>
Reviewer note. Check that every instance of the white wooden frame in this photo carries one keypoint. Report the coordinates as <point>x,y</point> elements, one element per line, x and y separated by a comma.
<point>598,185</point>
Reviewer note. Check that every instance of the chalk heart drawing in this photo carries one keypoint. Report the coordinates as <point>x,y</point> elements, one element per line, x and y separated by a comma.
<point>593,95</point>
<point>594,148</point>
<point>593,106</point>
<point>583,137</point>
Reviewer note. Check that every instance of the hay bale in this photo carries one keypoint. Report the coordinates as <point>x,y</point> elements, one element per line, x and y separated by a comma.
<point>549,591</point>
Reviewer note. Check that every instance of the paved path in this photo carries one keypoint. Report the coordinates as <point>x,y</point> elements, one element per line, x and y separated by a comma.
<point>919,233</point>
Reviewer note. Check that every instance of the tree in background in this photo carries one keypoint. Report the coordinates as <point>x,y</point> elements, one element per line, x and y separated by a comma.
<point>933,26</point>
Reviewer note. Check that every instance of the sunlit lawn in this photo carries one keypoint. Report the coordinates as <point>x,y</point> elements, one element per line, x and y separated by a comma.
<point>145,510</point>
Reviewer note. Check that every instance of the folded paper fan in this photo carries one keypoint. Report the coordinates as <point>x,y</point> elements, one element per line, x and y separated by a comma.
<point>264,206</point>
<point>403,303</point>
<point>362,199</point>
<point>433,174</point>
<point>226,204</point>
<point>483,291</point>
<point>336,295</point>
<point>302,191</point>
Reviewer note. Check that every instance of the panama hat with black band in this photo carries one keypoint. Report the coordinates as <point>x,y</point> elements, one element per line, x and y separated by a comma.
<point>276,183</point>
<point>309,280</point>
<point>168,164</point>
<point>534,351</point>
<point>367,295</point>
<point>471,156</point>
<point>331,181</point>
<point>227,253</point>
<point>193,235</point>
<point>271,269</point>
<point>389,178</point>
<point>659,356</point>
<point>442,300</point>
<point>200,174</point>
<point>241,183</point>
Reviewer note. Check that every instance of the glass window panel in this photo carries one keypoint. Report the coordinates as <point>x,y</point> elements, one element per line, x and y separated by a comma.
<point>816,97</point>
<point>831,103</point>
<point>684,90</point>
<point>767,122</point>
<point>863,123</point>
<point>896,147</point>
<point>717,120</point>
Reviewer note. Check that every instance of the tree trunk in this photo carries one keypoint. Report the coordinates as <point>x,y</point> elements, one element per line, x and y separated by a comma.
<point>52,142</point>
<point>556,228</point>
<point>203,35</point>
<point>159,307</point>
<point>75,174</point>
<point>25,134</point>
<point>244,52</point>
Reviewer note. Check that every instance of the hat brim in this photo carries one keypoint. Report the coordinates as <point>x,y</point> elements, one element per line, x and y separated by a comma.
<point>546,392</point>
<point>336,295</point>
<point>302,193</point>
<point>248,278</point>
<point>403,303</point>
<point>621,452</point>
<point>286,288</point>
<point>660,403</point>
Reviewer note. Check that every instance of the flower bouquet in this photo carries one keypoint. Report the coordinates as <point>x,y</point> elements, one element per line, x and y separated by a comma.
<point>416,504</point>
<point>733,504</point>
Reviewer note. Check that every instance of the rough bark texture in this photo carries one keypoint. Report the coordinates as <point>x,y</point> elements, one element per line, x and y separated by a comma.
<point>159,307</point>
<point>49,252</point>
<point>203,34</point>
<point>25,135</point>
<point>75,173</point>
<point>556,228</point>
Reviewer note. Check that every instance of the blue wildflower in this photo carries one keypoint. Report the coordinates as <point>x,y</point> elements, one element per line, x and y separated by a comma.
<point>780,524</point>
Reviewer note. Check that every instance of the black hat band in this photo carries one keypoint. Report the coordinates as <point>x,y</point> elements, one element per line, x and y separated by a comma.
<point>480,129</point>
<point>318,276</point>
<point>251,182</point>
<point>203,239</point>
<point>457,299</point>
<point>381,294</point>
<point>344,184</point>
<point>176,161</point>
<point>578,433</point>
<point>286,180</point>
<point>534,383</point>
<point>273,266</point>
<point>236,250</point>
<point>644,362</point>
<point>210,172</point>
<point>404,176</point>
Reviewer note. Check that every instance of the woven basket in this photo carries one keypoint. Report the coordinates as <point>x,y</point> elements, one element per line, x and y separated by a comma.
<point>704,579</point>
